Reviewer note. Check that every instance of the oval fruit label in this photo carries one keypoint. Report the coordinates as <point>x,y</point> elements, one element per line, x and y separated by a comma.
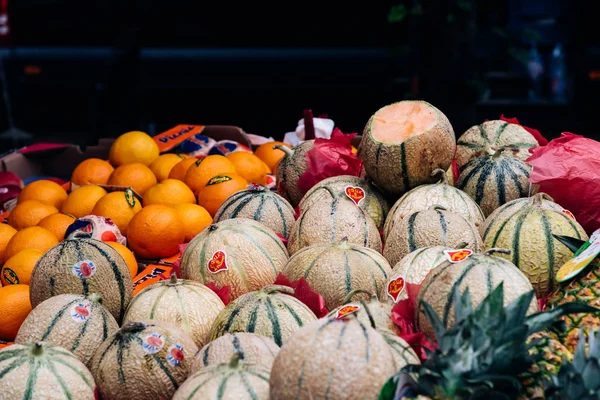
<point>80,312</point>
<point>10,276</point>
<point>395,287</point>
<point>346,310</point>
<point>175,355</point>
<point>130,197</point>
<point>84,269</point>
<point>569,213</point>
<point>153,343</point>
<point>218,262</point>
<point>355,193</point>
<point>456,256</point>
<point>218,179</point>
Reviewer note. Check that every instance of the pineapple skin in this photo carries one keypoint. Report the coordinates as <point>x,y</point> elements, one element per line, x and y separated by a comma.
<point>553,353</point>
<point>584,289</point>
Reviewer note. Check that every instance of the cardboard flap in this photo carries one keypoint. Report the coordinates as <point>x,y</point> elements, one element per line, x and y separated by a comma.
<point>227,132</point>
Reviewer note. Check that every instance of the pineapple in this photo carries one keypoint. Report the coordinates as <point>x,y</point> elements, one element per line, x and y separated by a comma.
<point>580,379</point>
<point>486,354</point>
<point>584,288</point>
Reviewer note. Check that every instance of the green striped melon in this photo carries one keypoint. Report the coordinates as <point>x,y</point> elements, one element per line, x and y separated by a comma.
<point>366,195</point>
<point>403,143</point>
<point>544,201</point>
<point>526,229</point>
<point>494,180</point>
<point>42,371</point>
<point>401,351</point>
<point>414,267</point>
<point>481,274</point>
<point>189,305</point>
<point>432,227</point>
<point>494,135</point>
<point>251,348</point>
<point>289,170</point>
<point>332,222</point>
<point>83,266</point>
<point>272,312</point>
<point>332,358</point>
<point>78,323</point>
<point>335,270</point>
<point>233,380</point>
<point>143,360</point>
<point>240,253</point>
<point>260,204</point>
<point>379,311</point>
<point>425,196</point>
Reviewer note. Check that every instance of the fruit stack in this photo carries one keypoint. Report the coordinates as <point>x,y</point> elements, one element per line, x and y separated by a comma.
<point>330,291</point>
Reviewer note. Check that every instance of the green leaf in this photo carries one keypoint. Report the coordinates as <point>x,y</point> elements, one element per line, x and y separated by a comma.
<point>388,390</point>
<point>397,13</point>
<point>516,311</point>
<point>541,320</point>
<point>436,323</point>
<point>462,305</point>
<point>571,243</point>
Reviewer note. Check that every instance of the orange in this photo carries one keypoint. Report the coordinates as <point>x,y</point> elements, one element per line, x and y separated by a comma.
<point>194,219</point>
<point>136,176</point>
<point>34,237</point>
<point>269,155</point>
<point>47,192</point>
<point>92,171</point>
<point>19,267</point>
<point>120,207</point>
<point>267,169</point>
<point>29,213</point>
<point>15,306</point>
<point>6,233</point>
<point>162,166</point>
<point>133,147</point>
<point>199,173</point>
<point>218,189</point>
<point>179,170</point>
<point>127,255</point>
<point>169,192</point>
<point>82,200</point>
<point>57,224</point>
<point>155,232</point>
<point>249,167</point>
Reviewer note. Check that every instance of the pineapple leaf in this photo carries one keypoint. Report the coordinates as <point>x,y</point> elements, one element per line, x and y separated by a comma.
<point>579,356</point>
<point>571,243</point>
<point>542,320</point>
<point>463,307</point>
<point>436,322</point>
<point>517,310</point>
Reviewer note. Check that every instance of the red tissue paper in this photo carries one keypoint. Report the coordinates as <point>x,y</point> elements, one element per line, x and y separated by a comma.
<point>330,157</point>
<point>177,263</point>
<point>222,292</point>
<point>305,294</point>
<point>542,141</point>
<point>568,169</point>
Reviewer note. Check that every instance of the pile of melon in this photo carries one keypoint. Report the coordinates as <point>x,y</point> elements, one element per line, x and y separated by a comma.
<point>237,318</point>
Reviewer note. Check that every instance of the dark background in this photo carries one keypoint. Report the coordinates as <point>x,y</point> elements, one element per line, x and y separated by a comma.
<point>79,70</point>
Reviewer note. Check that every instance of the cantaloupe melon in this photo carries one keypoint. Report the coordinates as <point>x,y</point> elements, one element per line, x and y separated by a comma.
<point>425,196</point>
<point>481,274</point>
<point>250,347</point>
<point>403,143</point>
<point>401,351</point>
<point>262,205</point>
<point>289,170</point>
<point>43,371</point>
<point>335,270</point>
<point>272,312</point>
<point>332,358</point>
<point>432,227</point>
<point>493,135</point>
<point>414,267</point>
<point>526,228</point>
<point>379,311</point>
<point>338,219</point>
<point>143,360</point>
<point>495,179</point>
<point>83,266</point>
<point>233,380</point>
<point>240,253</point>
<point>189,305</point>
<point>366,195</point>
<point>75,322</point>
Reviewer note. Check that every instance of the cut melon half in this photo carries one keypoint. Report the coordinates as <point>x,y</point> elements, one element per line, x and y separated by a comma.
<point>399,121</point>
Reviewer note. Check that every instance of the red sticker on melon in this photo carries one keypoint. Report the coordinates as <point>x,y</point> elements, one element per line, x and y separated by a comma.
<point>455,256</point>
<point>346,310</point>
<point>395,287</point>
<point>569,213</point>
<point>217,263</point>
<point>355,193</point>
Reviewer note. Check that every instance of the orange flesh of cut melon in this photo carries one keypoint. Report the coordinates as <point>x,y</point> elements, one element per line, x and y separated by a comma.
<point>397,122</point>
